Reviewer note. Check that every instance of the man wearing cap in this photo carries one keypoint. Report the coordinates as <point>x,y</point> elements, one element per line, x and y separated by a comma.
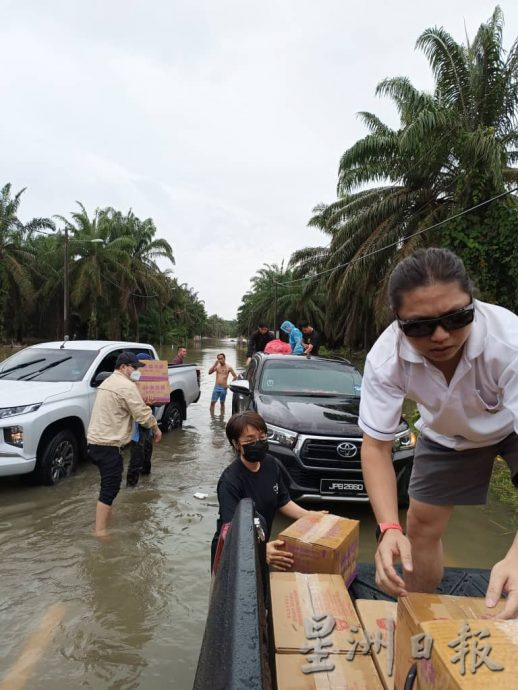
<point>118,402</point>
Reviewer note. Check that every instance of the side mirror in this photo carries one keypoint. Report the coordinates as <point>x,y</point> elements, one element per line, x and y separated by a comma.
<point>241,386</point>
<point>101,376</point>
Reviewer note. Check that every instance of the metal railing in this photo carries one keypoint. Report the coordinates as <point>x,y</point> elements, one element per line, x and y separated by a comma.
<point>235,654</point>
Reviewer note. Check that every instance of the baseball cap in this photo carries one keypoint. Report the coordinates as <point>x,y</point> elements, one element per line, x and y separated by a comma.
<point>128,358</point>
<point>144,355</point>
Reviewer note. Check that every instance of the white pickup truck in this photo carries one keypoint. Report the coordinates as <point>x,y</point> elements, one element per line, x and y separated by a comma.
<point>46,396</point>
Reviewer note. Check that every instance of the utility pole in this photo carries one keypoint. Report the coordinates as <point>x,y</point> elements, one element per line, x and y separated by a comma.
<point>65,288</point>
<point>276,332</point>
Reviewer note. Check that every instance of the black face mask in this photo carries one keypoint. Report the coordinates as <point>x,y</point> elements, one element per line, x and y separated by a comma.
<point>256,451</point>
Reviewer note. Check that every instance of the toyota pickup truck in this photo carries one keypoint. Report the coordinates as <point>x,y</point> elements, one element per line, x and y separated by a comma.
<point>47,392</point>
<point>311,406</point>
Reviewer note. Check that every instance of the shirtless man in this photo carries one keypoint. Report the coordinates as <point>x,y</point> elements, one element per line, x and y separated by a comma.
<point>223,371</point>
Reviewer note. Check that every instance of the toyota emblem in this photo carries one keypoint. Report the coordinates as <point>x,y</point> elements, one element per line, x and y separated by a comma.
<point>346,450</point>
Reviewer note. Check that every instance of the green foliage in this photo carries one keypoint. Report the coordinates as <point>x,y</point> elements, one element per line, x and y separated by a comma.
<point>272,299</point>
<point>117,291</point>
<point>454,149</point>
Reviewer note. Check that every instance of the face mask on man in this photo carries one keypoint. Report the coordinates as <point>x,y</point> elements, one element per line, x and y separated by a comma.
<point>135,375</point>
<point>256,451</point>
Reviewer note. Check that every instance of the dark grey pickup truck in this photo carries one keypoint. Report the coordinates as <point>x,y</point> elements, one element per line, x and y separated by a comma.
<point>311,405</point>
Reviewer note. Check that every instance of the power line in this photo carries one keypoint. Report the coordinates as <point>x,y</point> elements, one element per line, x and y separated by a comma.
<point>401,239</point>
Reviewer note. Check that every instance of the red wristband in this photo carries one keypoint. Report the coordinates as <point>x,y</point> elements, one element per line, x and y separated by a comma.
<point>385,526</point>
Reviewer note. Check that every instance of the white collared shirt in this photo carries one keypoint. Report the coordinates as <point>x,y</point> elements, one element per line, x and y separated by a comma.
<point>480,405</point>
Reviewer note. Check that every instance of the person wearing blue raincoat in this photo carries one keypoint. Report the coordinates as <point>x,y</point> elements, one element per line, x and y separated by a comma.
<point>297,348</point>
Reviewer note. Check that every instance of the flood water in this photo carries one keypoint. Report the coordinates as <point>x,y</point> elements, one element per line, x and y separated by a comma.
<point>130,613</point>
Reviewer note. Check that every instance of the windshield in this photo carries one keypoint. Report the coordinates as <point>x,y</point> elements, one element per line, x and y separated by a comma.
<point>309,377</point>
<point>35,364</point>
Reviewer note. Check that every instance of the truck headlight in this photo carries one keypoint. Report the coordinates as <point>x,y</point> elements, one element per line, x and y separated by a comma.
<point>404,440</point>
<point>20,409</point>
<point>282,437</point>
<point>13,435</point>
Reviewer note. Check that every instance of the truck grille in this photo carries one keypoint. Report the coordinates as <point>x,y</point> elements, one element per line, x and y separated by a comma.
<point>326,453</point>
<point>309,478</point>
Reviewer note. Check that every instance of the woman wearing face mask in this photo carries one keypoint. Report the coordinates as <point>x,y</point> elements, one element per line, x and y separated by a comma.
<point>255,474</point>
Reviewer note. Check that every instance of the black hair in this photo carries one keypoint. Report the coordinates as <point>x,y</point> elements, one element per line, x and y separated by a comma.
<point>262,324</point>
<point>222,354</point>
<point>181,347</point>
<point>304,324</point>
<point>425,267</point>
<point>237,423</point>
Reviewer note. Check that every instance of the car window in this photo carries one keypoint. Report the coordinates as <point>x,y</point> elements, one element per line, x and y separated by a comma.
<point>309,377</point>
<point>107,365</point>
<point>39,364</point>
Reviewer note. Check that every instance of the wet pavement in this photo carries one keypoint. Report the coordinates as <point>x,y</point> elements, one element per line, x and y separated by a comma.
<point>76,612</point>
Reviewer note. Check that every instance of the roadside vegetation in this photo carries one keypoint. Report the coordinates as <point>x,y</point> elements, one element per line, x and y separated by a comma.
<point>455,149</point>
<point>116,288</point>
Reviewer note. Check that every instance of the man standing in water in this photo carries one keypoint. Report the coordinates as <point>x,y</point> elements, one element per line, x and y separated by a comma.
<point>181,354</point>
<point>117,403</point>
<point>223,371</point>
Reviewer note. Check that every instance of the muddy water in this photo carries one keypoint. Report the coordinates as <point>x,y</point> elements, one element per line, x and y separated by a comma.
<point>130,613</point>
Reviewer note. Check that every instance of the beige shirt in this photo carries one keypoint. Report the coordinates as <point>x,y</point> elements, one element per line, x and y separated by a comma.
<point>118,402</point>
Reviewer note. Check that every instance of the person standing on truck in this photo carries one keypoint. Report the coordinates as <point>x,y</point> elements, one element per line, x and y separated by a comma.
<point>117,403</point>
<point>223,371</point>
<point>254,474</point>
<point>141,445</point>
<point>297,348</point>
<point>310,339</point>
<point>258,341</point>
<point>181,354</point>
<point>457,358</point>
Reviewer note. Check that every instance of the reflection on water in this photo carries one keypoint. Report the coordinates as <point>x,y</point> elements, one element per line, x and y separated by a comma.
<point>135,606</point>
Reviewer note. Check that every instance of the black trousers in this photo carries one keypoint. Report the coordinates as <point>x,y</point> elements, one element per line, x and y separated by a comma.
<point>140,457</point>
<point>109,461</point>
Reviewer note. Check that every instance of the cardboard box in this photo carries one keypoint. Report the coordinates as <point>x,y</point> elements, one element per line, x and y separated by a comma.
<point>357,674</point>
<point>440,673</point>
<point>323,544</point>
<point>415,609</point>
<point>299,596</point>
<point>373,615</point>
<point>154,381</point>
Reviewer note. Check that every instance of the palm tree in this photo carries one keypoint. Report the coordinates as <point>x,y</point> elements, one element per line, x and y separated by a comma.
<point>273,297</point>
<point>454,149</point>
<point>98,265</point>
<point>147,280</point>
<point>16,256</point>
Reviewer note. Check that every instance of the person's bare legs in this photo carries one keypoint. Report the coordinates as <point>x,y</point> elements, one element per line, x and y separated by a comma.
<point>102,515</point>
<point>212,406</point>
<point>222,410</point>
<point>426,524</point>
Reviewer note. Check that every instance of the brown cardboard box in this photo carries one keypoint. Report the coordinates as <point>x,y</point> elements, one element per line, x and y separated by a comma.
<point>414,609</point>
<point>357,674</point>
<point>373,615</point>
<point>440,673</point>
<point>296,596</point>
<point>323,544</point>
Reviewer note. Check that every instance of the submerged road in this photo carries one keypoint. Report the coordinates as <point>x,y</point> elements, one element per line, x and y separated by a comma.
<point>76,612</point>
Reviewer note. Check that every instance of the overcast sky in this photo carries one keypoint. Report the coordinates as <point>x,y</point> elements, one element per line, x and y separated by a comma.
<point>223,120</point>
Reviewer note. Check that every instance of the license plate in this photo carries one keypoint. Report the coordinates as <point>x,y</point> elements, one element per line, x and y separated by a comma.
<point>339,487</point>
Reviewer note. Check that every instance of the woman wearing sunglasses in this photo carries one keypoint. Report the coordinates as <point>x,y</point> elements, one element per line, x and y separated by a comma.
<point>457,358</point>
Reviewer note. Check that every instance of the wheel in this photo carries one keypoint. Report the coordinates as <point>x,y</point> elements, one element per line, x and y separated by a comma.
<point>58,459</point>
<point>172,418</point>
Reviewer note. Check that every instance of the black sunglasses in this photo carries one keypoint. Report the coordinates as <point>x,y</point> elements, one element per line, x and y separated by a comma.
<point>418,328</point>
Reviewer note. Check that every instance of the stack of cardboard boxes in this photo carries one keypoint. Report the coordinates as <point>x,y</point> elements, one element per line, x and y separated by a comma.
<point>370,643</point>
